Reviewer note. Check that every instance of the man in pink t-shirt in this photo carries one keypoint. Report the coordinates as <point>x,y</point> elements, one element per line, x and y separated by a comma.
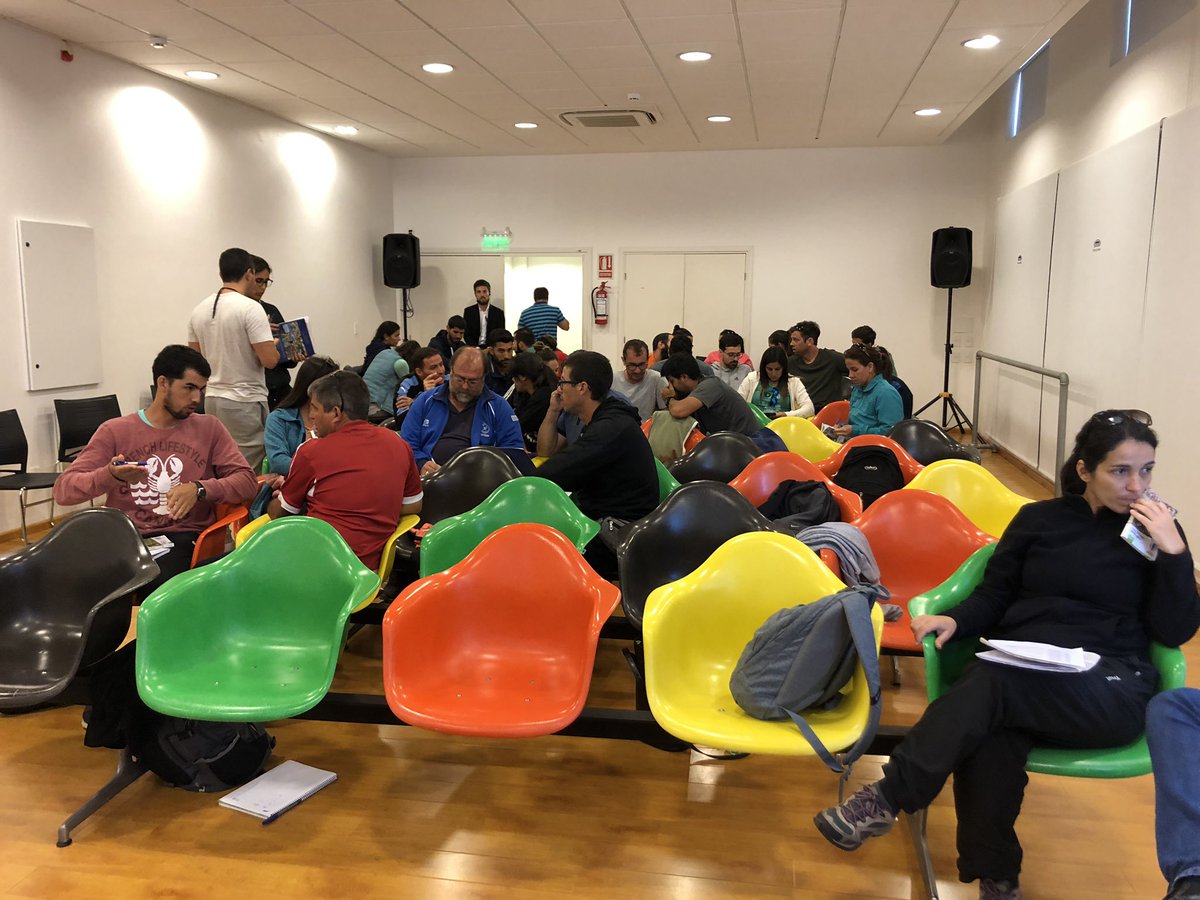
<point>162,466</point>
<point>359,478</point>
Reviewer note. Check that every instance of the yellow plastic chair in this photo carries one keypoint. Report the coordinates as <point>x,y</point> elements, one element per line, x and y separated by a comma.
<point>803,437</point>
<point>696,628</point>
<point>976,492</point>
<point>386,561</point>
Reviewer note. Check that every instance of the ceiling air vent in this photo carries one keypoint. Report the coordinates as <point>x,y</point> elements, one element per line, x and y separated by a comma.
<point>609,118</point>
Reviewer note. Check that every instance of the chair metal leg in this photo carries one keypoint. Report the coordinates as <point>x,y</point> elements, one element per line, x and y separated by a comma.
<point>24,530</point>
<point>128,771</point>
<point>916,827</point>
<point>895,671</point>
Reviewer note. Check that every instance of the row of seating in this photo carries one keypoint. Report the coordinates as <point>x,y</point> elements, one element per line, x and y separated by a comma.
<point>77,422</point>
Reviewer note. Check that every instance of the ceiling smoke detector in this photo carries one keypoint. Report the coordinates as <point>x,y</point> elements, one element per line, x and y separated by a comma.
<point>609,118</point>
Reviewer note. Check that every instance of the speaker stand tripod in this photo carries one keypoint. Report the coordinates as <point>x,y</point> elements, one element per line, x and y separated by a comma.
<point>950,407</point>
<point>407,311</point>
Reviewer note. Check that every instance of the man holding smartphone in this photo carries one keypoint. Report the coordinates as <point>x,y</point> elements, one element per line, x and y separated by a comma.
<point>162,466</point>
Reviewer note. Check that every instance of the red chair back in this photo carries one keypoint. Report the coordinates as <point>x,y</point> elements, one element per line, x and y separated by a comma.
<point>837,412</point>
<point>231,518</point>
<point>919,540</point>
<point>909,467</point>
<point>765,473</point>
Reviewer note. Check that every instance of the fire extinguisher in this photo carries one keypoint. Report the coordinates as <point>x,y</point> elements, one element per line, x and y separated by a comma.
<point>600,303</point>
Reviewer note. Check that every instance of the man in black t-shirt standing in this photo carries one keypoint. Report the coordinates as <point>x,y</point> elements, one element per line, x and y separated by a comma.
<point>821,370</point>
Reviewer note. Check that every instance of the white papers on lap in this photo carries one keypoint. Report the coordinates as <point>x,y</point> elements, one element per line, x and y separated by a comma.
<point>278,790</point>
<point>1042,657</point>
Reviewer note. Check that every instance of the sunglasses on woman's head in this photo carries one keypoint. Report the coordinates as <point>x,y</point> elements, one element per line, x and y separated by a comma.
<point>1117,416</point>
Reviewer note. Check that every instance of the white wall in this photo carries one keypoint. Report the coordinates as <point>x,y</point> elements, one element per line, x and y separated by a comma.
<point>168,176</point>
<point>1109,322</point>
<point>840,236</point>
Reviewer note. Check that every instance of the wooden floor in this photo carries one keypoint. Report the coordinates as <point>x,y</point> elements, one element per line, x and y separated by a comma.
<point>417,814</point>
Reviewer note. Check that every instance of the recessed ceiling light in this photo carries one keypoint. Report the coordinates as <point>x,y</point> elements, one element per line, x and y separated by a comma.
<point>525,125</point>
<point>928,111</point>
<point>201,75</point>
<point>345,130</point>
<point>438,68</point>
<point>720,118</point>
<point>695,56</point>
<point>983,42</point>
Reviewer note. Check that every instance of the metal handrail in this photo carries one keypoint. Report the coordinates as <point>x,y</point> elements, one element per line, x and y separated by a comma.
<point>1064,381</point>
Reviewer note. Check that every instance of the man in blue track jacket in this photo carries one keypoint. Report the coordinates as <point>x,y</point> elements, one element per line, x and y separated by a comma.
<point>462,413</point>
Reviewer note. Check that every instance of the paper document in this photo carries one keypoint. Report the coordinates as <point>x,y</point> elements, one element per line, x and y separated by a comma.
<point>158,545</point>
<point>275,792</point>
<point>1043,657</point>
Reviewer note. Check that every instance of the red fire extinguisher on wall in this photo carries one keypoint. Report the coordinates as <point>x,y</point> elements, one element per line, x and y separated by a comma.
<point>600,303</point>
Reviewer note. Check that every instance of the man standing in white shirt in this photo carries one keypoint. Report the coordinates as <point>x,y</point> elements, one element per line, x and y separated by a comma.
<point>233,333</point>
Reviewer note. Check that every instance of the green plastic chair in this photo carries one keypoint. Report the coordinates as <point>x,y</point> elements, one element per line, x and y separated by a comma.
<point>763,419</point>
<point>667,485</point>
<point>943,667</point>
<point>254,636</point>
<point>529,499</point>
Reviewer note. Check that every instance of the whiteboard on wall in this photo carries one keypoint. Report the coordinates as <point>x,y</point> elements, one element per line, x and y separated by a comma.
<point>62,312</point>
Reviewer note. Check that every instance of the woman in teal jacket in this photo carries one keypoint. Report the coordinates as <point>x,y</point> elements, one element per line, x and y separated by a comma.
<point>875,406</point>
<point>288,425</point>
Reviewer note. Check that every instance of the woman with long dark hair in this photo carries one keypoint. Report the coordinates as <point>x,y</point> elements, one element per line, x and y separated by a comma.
<point>772,390</point>
<point>1062,575</point>
<point>533,383</point>
<point>875,406</point>
<point>388,334</point>
<point>289,424</point>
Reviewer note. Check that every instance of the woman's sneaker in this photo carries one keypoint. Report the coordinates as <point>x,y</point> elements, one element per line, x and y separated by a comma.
<point>998,890</point>
<point>866,814</point>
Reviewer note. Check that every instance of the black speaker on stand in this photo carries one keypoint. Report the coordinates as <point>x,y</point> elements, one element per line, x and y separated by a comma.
<point>950,268</point>
<point>402,267</point>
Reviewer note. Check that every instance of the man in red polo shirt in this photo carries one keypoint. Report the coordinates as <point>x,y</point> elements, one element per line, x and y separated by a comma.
<point>359,478</point>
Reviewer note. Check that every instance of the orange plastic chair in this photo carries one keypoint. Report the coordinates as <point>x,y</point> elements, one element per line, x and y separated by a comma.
<point>764,474</point>
<point>919,540</point>
<point>833,413</point>
<point>231,517</point>
<point>464,654</point>
<point>909,467</point>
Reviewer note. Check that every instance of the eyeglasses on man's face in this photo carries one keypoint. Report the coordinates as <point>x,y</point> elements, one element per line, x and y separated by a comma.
<point>467,382</point>
<point>264,282</point>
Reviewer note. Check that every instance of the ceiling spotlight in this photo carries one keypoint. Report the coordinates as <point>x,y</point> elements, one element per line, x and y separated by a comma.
<point>928,111</point>
<point>438,68</point>
<point>983,42</point>
<point>158,43</point>
<point>201,75</point>
<point>525,125</point>
<point>719,119</point>
<point>345,130</point>
<point>695,56</point>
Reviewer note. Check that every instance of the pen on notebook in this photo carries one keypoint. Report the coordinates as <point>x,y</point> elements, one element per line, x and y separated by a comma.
<point>275,815</point>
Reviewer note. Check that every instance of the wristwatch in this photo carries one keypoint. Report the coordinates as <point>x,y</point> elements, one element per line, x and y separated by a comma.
<point>201,493</point>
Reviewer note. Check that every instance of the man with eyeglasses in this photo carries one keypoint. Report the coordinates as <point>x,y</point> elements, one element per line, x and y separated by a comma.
<point>359,478</point>
<point>610,469</point>
<point>461,413</point>
<point>279,380</point>
<point>641,385</point>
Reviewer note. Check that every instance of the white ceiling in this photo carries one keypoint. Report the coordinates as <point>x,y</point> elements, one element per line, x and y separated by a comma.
<point>791,73</point>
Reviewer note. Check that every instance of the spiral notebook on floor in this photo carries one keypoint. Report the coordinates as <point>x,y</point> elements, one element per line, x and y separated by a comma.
<point>274,792</point>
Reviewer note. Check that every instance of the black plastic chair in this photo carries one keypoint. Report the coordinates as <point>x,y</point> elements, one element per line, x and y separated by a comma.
<point>67,605</point>
<point>14,454</point>
<point>927,443</point>
<point>465,481</point>
<point>719,457</point>
<point>78,421</point>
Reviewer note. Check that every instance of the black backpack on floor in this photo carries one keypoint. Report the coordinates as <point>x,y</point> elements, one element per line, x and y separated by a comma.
<point>203,756</point>
<point>870,472</point>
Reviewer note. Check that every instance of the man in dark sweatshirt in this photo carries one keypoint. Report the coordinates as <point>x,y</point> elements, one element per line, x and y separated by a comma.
<point>822,370</point>
<point>610,469</point>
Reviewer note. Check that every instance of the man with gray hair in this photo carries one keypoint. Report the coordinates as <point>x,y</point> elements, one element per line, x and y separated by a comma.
<point>359,478</point>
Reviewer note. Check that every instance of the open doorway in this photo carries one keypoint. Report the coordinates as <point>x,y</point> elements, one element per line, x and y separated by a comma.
<point>562,276</point>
